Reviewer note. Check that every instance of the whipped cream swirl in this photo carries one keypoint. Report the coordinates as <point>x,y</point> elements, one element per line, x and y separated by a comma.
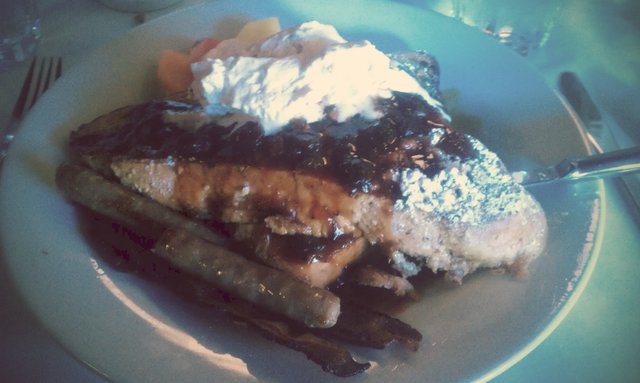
<point>297,74</point>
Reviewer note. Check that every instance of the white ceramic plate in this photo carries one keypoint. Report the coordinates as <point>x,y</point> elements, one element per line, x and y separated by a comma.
<point>132,330</point>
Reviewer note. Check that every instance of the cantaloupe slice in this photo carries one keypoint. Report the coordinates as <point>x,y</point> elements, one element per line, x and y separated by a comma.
<point>174,71</point>
<point>258,30</point>
<point>174,68</point>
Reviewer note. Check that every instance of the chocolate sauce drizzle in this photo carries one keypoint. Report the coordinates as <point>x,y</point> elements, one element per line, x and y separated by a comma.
<point>359,154</point>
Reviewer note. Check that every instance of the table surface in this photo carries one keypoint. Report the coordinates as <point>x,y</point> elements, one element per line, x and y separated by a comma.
<point>598,341</point>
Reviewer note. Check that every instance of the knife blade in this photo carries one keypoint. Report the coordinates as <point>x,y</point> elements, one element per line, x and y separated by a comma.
<point>601,165</point>
<point>600,135</point>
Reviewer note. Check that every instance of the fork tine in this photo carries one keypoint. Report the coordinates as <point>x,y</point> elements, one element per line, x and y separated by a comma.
<point>7,135</point>
<point>59,68</point>
<point>18,109</point>
<point>29,94</point>
<point>36,90</point>
<point>47,79</point>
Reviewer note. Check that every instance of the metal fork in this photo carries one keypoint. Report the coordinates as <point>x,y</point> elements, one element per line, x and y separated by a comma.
<point>29,94</point>
<point>44,71</point>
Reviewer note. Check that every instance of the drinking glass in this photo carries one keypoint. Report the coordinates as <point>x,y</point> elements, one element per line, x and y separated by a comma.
<point>524,25</point>
<point>19,31</point>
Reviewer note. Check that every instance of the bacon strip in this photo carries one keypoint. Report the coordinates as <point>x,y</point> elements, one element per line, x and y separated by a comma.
<point>329,355</point>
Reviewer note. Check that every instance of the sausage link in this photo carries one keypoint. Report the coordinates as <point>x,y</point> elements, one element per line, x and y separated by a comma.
<point>258,284</point>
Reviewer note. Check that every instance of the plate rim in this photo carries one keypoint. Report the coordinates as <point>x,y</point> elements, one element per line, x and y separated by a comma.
<point>547,329</point>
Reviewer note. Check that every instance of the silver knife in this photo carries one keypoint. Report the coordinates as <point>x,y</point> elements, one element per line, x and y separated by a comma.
<point>598,132</point>
<point>614,163</point>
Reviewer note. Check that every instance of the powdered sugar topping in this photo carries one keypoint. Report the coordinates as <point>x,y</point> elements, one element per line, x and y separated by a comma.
<point>468,192</point>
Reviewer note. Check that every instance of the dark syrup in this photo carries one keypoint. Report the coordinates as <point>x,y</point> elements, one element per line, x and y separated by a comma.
<point>359,154</point>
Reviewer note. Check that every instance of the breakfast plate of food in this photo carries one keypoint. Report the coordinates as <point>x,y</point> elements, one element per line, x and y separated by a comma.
<point>273,191</point>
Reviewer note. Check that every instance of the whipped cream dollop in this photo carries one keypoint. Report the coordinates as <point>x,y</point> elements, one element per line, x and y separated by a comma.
<point>297,74</point>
